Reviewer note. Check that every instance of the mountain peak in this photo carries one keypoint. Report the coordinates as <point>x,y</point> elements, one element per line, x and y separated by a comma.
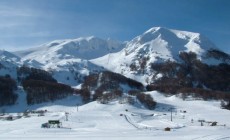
<point>88,38</point>
<point>156,29</point>
<point>170,42</point>
<point>179,33</point>
<point>153,29</point>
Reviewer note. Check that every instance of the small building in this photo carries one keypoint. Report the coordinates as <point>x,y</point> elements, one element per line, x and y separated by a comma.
<point>55,123</point>
<point>167,129</point>
<point>52,124</point>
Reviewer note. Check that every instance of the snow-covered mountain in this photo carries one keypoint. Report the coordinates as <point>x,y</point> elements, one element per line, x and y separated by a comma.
<point>72,58</point>
<point>68,59</point>
<point>167,43</point>
<point>81,48</point>
<point>155,45</point>
<point>119,110</point>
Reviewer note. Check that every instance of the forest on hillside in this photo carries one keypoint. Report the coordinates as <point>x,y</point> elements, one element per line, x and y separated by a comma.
<point>193,78</point>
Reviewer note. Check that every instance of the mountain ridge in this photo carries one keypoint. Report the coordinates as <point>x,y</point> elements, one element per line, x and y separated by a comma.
<point>133,59</point>
<point>71,48</point>
<point>170,61</point>
<point>156,45</point>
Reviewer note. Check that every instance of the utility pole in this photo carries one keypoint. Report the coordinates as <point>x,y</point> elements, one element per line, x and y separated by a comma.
<point>66,116</point>
<point>201,122</point>
<point>171,109</point>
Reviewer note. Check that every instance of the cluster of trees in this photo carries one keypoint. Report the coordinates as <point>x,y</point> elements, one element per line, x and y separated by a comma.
<point>40,86</point>
<point>192,76</point>
<point>219,55</point>
<point>110,76</point>
<point>27,73</point>
<point>146,100</point>
<point>204,94</point>
<point>43,91</point>
<point>7,88</point>
<point>106,97</point>
<point>140,65</point>
<point>106,86</point>
<point>85,94</point>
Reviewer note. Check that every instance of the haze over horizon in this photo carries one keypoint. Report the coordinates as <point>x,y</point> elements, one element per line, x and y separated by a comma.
<point>30,23</point>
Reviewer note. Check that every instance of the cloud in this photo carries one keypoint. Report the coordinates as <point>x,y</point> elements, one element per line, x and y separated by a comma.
<point>8,25</point>
<point>12,17</point>
<point>6,11</point>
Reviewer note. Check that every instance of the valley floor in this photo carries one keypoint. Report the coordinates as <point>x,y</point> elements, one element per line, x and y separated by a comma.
<point>121,121</point>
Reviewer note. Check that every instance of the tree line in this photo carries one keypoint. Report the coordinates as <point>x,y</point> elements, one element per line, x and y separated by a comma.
<point>8,86</point>
<point>191,77</point>
<point>106,85</point>
<point>40,86</point>
<point>42,91</point>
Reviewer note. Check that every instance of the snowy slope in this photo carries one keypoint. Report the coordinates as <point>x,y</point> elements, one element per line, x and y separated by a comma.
<point>104,121</point>
<point>72,71</point>
<point>8,64</point>
<point>155,45</point>
<point>68,59</point>
<point>83,48</point>
<point>7,56</point>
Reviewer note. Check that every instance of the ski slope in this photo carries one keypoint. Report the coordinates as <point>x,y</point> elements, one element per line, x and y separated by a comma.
<point>120,121</point>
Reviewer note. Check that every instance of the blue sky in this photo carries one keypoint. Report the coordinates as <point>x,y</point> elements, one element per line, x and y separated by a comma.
<point>29,23</point>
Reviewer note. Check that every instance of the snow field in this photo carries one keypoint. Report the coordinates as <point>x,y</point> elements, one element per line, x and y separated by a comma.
<point>104,121</point>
